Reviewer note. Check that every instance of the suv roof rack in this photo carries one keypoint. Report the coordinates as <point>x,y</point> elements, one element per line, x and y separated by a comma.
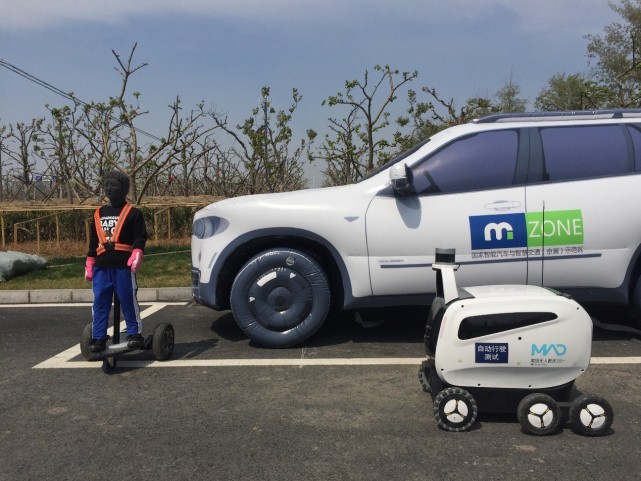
<point>559,115</point>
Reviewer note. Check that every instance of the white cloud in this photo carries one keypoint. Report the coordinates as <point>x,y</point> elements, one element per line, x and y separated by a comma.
<point>562,17</point>
<point>34,14</point>
<point>540,15</point>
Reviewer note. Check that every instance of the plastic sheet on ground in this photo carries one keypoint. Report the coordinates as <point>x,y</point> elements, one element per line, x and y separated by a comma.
<point>16,263</point>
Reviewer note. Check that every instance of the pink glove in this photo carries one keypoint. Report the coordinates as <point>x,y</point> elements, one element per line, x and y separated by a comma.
<point>89,268</point>
<point>135,260</point>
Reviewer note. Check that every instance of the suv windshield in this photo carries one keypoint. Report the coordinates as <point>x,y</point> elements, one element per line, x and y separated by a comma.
<point>393,161</point>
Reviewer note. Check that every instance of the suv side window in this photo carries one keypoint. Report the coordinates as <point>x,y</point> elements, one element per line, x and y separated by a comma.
<point>585,151</point>
<point>482,161</point>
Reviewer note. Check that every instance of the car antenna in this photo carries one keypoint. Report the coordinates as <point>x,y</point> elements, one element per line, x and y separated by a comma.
<point>543,245</point>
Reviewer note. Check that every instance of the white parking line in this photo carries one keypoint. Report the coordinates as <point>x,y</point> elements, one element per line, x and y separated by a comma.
<point>89,304</point>
<point>62,363</point>
<point>615,360</point>
<point>63,360</point>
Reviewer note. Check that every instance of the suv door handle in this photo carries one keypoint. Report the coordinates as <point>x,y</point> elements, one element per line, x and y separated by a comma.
<point>502,205</point>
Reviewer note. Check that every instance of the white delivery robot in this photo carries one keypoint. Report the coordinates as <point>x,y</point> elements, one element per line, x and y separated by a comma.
<point>508,348</point>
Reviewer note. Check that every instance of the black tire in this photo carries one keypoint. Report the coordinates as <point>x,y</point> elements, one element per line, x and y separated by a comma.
<point>280,298</point>
<point>85,341</point>
<point>163,344</point>
<point>423,377</point>
<point>539,414</point>
<point>635,304</point>
<point>455,409</point>
<point>591,415</point>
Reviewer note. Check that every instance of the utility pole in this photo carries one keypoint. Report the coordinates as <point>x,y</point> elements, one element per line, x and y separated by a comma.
<point>265,105</point>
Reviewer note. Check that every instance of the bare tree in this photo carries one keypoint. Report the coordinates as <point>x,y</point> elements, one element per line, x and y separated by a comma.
<point>261,151</point>
<point>21,145</point>
<point>369,104</point>
<point>179,147</point>
<point>344,152</point>
<point>63,152</point>
<point>113,138</point>
<point>3,129</point>
<point>99,129</point>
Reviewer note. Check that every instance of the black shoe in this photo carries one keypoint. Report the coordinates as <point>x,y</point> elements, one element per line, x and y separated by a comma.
<point>135,341</point>
<point>97,345</point>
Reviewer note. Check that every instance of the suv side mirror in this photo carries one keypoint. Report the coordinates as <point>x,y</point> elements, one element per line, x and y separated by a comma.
<point>401,179</point>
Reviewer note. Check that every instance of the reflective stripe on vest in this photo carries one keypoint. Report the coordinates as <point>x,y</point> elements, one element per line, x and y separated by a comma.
<point>112,244</point>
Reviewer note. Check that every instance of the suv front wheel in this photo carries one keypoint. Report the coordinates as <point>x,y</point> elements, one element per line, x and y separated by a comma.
<point>280,298</point>
<point>635,304</point>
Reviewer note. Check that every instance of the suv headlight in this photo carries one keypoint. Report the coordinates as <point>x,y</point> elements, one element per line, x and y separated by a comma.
<point>206,227</point>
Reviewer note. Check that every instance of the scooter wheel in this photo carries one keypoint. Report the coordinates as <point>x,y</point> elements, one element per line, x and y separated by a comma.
<point>163,343</point>
<point>539,414</point>
<point>85,341</point>
<point>455,409</point>
<point>109,365</point>
<point>591,415</point>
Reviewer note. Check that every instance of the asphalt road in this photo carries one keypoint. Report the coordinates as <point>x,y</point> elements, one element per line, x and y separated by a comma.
<point>224,409</point>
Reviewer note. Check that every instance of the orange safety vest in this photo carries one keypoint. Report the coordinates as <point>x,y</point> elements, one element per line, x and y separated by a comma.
<point>105,244</point>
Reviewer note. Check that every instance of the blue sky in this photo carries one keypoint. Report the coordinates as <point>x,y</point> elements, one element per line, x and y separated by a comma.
<point>224,51</point>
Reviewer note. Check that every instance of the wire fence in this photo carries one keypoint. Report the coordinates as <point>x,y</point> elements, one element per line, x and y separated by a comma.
<point>40,187</point>
<point>64,231</point>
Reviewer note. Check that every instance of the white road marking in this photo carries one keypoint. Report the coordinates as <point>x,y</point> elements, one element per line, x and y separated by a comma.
<point>57,304</point>
<point>63,360</point>
<point>615,360</point>
<point>63,363</point>
<point>89,304</point>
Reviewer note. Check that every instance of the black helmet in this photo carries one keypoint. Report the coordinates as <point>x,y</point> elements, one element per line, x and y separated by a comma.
<point>120,177</point>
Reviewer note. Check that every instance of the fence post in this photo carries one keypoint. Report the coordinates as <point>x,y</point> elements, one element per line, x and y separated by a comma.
<point>57,231</point>
<point>2,222</point>
<point>169,223</point>
<point>87,221</point>
<point>155,226</point>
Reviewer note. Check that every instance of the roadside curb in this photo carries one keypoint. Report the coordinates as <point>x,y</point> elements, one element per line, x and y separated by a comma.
<point>56,296</point>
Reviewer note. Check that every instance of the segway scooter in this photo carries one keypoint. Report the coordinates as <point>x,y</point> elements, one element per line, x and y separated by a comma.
<point>161,343</point>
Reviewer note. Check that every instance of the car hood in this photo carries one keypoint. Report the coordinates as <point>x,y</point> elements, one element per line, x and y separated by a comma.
<point>350,200</point>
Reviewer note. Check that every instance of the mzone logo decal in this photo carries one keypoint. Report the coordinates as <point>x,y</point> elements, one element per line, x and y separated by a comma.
<point>531,229</point>
<point>498,231</point>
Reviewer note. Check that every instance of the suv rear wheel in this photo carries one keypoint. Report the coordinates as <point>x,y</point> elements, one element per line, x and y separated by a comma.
<point>280,298</point>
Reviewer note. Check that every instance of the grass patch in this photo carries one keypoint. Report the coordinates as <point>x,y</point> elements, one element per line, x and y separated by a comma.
<point>162,266</point>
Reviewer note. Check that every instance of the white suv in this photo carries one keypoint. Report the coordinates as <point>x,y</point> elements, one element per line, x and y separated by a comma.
<point>544,198</point>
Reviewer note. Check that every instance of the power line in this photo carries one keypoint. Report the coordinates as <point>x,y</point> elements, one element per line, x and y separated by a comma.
<point>57,91</point>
